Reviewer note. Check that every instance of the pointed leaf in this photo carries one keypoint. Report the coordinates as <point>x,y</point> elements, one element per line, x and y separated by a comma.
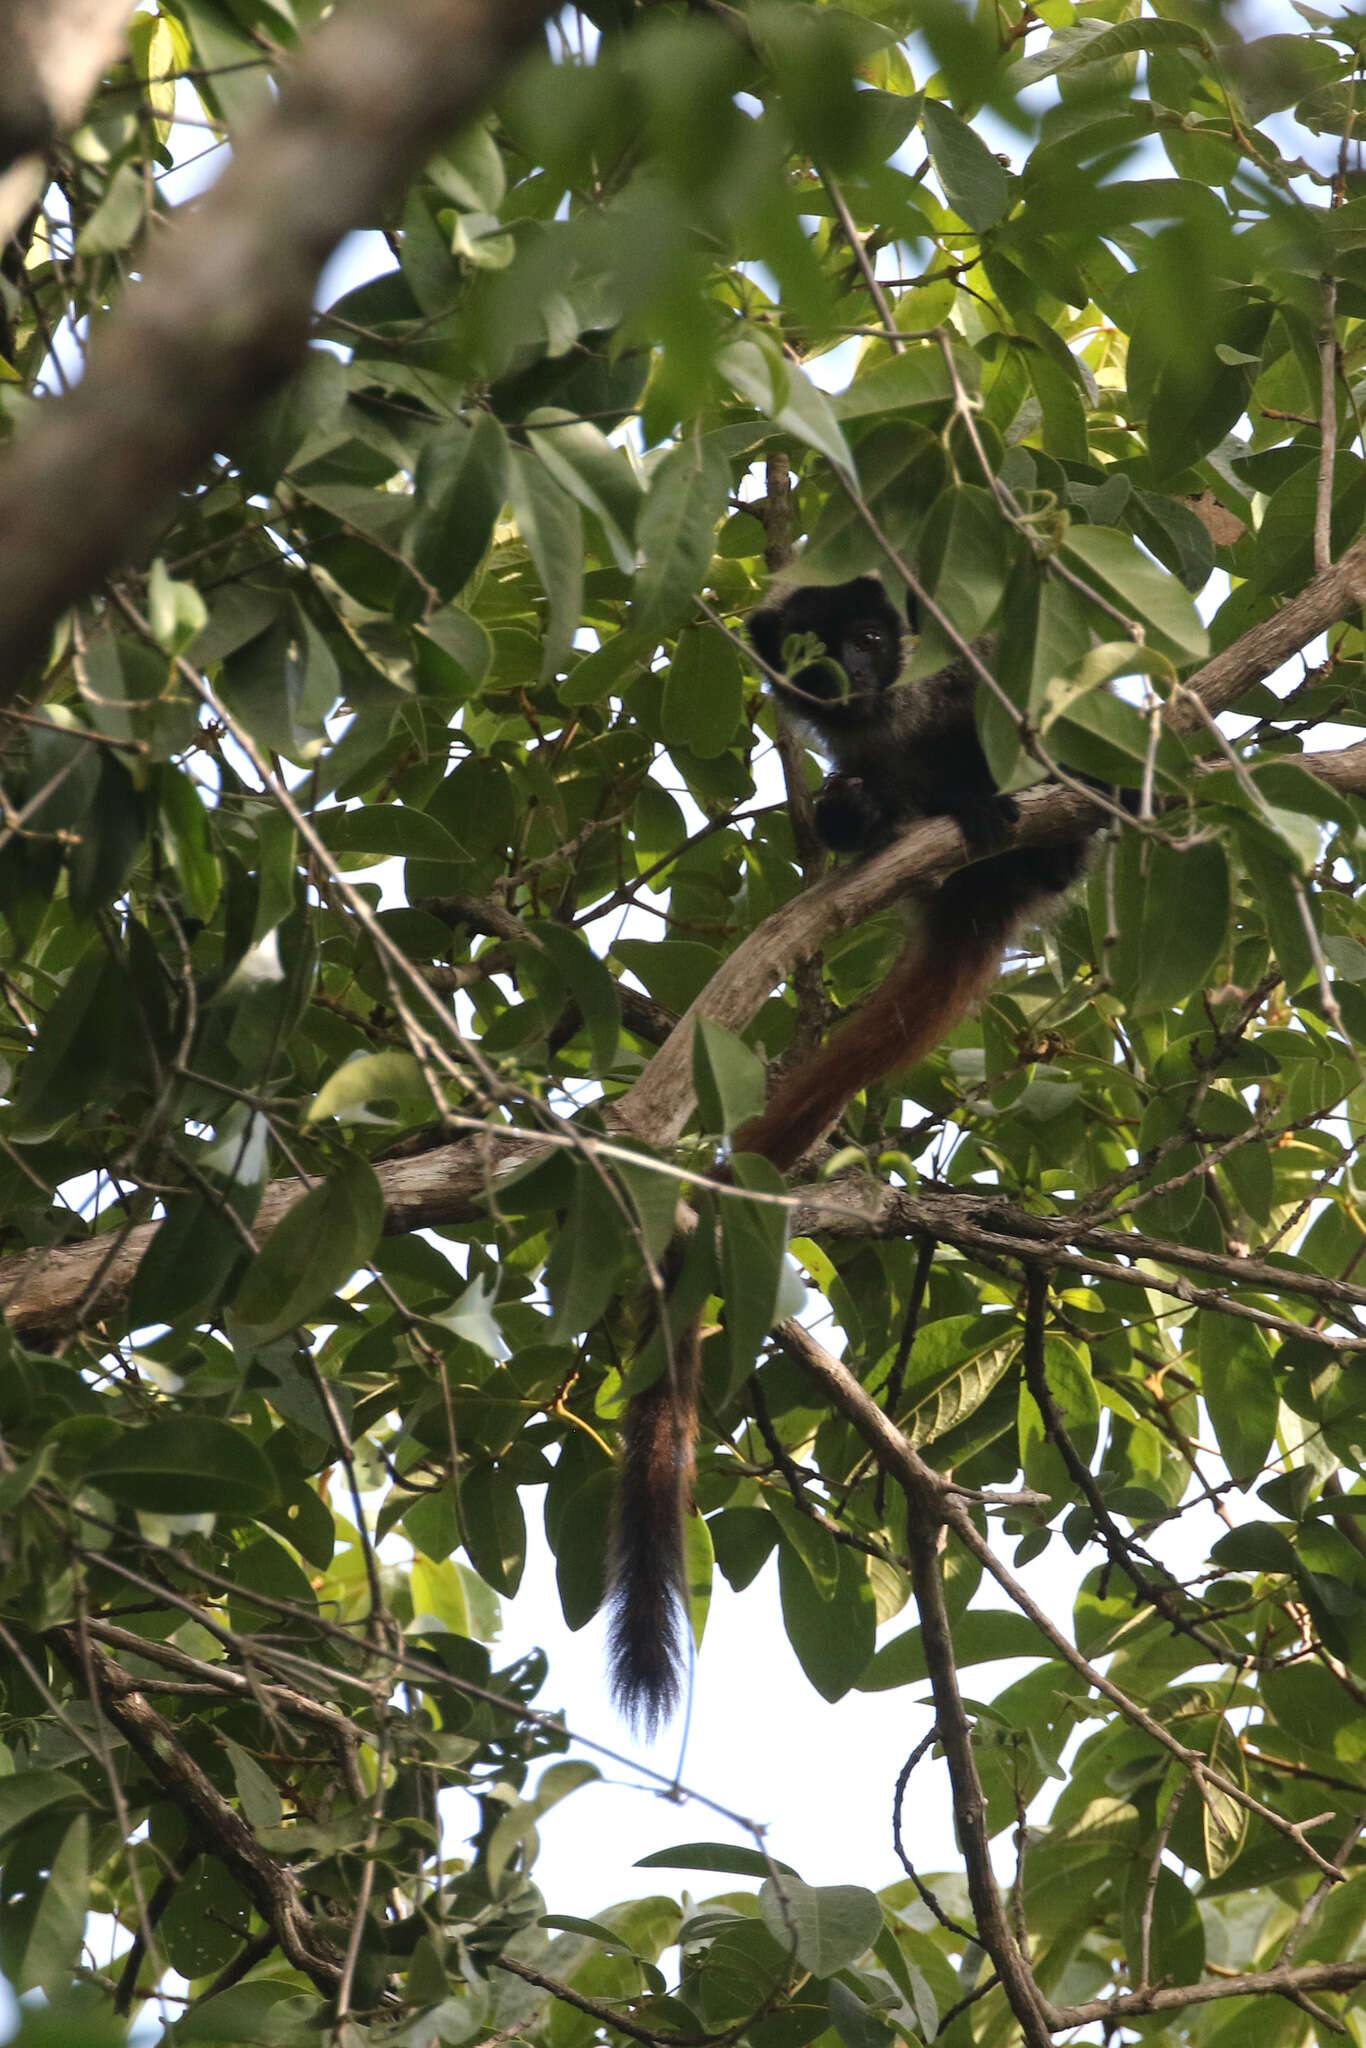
<point>183,1466</point>
<point>314,1249</point>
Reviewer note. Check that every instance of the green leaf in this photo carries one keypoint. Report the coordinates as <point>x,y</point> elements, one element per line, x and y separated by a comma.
<point>704,692</point>
<point>981,1637</point>
<point>495,1527</point>
<point>550,523</point>
<point>1176,1953</point>
<point>956,1363</point>
<point>80,1039</point>
<point>186,825</point>
<point>1225,1819</point>
<point>188,1263</point>
<point>725,1856</point>
<point>600,672</point>
<point>581,1272</point>
<point>1238,1383</point>
<point>24,1793</point>
<point>831,1925</point>
<point>470,170</point>
<point>386,832</point>
<point>312,1251</point>
<point>1114,565</point>
<point>901,471</point>
<point>1197,878</point>
<point>237,82</point>
<point>788,397</point>
<point>580,1545</point>
<point>676,529</point>
<point>858,2024</point>
<point>1256,1547</point>
<point>976,184</point>
<point>964,556</point>
<point>207,1920</point>
<point>920,376</point>
<point>654,1198</point>
<point>1074,1395</point>
<point>584,463</point>
<point>256,1793</point>
<point>282,686</point>
<point>729,1079</point>
<point>371,1077</point>
<point>812,1542</point>
<point>833,1638</point>
<point>262,2013</point>
<point>184,1466</point>
<point>753,1241</point>
<point>1087,42</point>
<point>118,216</point>
<point>58,1926</point>
<point>265,1566</point>
<point>590,983</point>
<point>462,480</point>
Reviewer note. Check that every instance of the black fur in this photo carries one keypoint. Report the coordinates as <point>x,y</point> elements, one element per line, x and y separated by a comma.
<point>904,751</point>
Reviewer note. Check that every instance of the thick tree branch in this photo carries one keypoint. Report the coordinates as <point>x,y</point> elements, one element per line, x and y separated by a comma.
<point>1343,1976</point>
<point>54,52</point>
<point>222,317</point>
<point>1332,596</point>
<point>45,1294</point>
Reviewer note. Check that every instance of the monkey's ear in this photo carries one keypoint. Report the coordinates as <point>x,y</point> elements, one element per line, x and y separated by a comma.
<point>765,631</point>
<point>912,610</point>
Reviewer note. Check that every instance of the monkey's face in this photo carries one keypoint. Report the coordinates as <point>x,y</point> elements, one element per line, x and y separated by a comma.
<point>868,651</point>
<point>870,655</point>
<point>836,647</point>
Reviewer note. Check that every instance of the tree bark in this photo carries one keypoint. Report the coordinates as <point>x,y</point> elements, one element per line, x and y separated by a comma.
<point>223,315</point>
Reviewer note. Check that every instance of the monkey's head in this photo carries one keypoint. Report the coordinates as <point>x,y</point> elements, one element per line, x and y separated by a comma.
<point>856,625</point>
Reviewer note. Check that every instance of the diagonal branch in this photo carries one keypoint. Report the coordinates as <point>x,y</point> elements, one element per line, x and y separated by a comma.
<point>271,1887</point>
<point>222,318</point>
<point>54,51</point>
<point>45,1294</point>
<point>937,1497</point>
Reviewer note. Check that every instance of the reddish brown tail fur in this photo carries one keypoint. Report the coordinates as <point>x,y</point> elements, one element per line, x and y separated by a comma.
<point>648,1580</point>
<point>948,963</point>
<point>933,981</point>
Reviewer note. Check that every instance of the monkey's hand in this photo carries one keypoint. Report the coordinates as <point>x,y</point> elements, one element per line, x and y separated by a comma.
<point>848,818</point>
<point>985,820</point>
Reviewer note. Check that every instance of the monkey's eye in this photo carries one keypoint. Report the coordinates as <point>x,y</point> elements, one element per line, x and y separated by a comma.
<point>868,638</point>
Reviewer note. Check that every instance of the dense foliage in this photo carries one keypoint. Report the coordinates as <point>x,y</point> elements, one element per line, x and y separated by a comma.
<point>363,846</point>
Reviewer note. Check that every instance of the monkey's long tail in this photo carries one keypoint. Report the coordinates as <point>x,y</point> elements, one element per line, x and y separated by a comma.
<point>947,964</point>
<point>648,1595</point>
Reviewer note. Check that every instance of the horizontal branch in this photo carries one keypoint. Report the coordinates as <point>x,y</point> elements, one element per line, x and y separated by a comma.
<point>982,1225</point>
<point>659,1104</point>
<point>46,1293</point>
<point>1343,1976</point>
<point>1331,597</point>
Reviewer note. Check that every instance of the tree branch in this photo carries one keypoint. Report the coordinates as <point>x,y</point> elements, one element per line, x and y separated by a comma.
<point>46,1293</point>
<point>935,1495</point>
<point>222,318</point>
<point>54,51</point>
<point>272,1889</point>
